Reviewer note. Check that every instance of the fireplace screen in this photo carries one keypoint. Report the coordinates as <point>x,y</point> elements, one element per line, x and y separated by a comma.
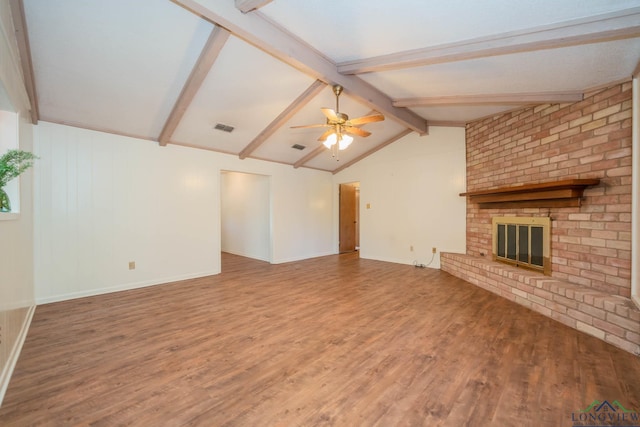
<point>522,241</point>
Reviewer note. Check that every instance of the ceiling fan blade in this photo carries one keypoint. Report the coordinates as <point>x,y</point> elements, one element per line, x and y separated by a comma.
<point>310,126</point>
<point>325,135</point>
<point>366,119</point>
<point>356,131</point>
<point>331,114</point>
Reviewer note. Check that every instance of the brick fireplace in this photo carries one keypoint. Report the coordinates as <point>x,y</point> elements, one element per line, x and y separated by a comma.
<point>590,243</point>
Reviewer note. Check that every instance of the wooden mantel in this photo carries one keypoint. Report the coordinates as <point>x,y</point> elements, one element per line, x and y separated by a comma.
<point>565,193</point>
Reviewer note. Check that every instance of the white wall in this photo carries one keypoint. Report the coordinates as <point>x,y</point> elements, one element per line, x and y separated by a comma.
<point>16,230</point>
<point>103,200</point>
<point>413,188</point>
<point>246,215</point>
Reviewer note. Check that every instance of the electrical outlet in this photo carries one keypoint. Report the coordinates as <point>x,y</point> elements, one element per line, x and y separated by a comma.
<point>411,248</point>
<point>433,250</point>
<point>132,265</point>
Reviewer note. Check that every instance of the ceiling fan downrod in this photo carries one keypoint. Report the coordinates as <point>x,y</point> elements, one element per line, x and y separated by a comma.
<point>337,89</point>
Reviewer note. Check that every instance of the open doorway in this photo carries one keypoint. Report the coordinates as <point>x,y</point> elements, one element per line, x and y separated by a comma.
<point>245,215</point>
<point>349,234</point>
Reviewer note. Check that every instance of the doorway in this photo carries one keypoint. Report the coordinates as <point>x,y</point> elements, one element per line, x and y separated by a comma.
<point>245,215</point>
<point>349,222</point>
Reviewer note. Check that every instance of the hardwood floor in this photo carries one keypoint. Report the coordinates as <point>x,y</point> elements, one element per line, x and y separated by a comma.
<point>329,341</point>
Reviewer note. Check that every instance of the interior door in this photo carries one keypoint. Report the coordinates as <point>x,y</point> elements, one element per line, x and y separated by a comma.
<point>348,218</point>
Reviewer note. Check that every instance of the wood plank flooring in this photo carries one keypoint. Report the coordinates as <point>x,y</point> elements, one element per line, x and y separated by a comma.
<point>335,340</point>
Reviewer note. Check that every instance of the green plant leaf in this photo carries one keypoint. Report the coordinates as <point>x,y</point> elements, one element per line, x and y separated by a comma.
<point>13,163</point>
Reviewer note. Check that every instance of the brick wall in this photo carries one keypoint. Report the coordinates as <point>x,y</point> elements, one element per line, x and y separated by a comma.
<point>591,244</point>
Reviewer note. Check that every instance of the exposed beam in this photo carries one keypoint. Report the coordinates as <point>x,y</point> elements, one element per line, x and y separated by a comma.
<point>594,29</point>
<point>302,100</point>
<point>208,56</point>
<point>373,150</point>
<point>22,39</point>
<point>246,6</point>
<point>504,99</point>
<point>448,123</point>
<point>316,152</point>
<point>255,29</point>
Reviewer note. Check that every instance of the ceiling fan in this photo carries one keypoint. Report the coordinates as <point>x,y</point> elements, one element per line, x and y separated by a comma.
<point>338,136</point>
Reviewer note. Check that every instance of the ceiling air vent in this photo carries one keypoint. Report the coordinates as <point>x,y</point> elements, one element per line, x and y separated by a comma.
<point>298,147</point>
<point>223,128</point>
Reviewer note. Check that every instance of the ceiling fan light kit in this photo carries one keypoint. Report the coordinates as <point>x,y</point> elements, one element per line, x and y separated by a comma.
<point>338,136</point>
<point>343,141</point>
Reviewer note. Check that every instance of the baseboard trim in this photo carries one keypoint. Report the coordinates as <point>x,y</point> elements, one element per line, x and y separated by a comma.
<point>7,370</point>
<point>429,262</point>
<point>301,258</point>
<point>123,287</point>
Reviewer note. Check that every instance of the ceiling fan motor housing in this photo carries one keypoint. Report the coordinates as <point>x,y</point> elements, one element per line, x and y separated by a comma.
<point>343,117</point>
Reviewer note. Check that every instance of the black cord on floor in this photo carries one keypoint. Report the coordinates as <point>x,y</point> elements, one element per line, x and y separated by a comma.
<point>415,263</point>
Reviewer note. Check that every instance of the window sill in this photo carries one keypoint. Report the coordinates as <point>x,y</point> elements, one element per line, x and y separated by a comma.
<point>8,216</point>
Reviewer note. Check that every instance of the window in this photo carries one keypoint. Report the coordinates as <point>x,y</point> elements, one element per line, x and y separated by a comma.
<point>8,141</point>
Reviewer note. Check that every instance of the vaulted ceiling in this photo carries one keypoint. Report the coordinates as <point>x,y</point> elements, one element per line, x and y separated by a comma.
<point>170,71</point>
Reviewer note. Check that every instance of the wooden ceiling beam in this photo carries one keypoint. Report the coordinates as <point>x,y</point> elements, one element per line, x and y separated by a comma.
<point>208,56</point>
<point>302,100</point>
<point>24,48</point>
<point>373,150</point>
<point>255,29</point>
<point>497,99</point>
<point>246,6</point>
<point>315,153</point>
<point>448,123</point>
<point>594,29</point>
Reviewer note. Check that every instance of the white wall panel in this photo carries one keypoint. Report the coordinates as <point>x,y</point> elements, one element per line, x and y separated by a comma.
<point>105,200</point>
<point>413,188</point>
<point>246,215</point>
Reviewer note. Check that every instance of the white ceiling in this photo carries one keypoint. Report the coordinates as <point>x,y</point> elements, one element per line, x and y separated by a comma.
<point>120,66</point>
